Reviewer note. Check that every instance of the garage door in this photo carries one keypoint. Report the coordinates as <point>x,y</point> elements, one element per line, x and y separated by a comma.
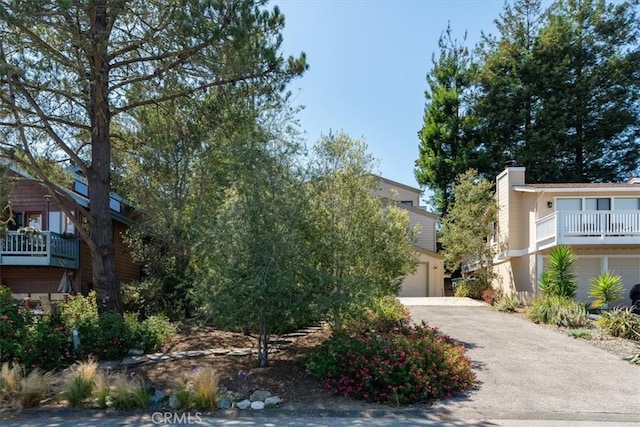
<point>416,284</point>
<point>629,270</point>
<point>586,269</point>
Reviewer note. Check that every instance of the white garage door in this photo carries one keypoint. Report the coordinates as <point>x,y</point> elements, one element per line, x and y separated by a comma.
<point>586,269</point>
<point>416,284</point>
<point>629,270</point>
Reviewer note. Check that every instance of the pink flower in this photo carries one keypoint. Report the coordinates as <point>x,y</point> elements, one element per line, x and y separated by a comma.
<point>5,317</point>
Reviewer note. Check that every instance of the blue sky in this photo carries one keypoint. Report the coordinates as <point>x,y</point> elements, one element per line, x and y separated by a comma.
<point>368,61</point>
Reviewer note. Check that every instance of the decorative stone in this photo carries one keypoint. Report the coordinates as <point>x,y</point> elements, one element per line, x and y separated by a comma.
<point>240,352</point>
<point>243,404</point>
<point>157,398</point>
<point>259,395</point>
<point>219,351</point>
<point>173,402</point>
<point>224,403</point>
<point>257,405</point>
<point>272,401</point>
<point>133,360</point>
<point>135,352</point>
<point>295,335</point>
<point>109,365</point>
<point>158,357</point>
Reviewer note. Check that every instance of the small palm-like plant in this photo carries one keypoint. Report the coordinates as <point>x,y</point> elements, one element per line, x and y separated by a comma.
<point>559,278</point>
<point>605,288</point>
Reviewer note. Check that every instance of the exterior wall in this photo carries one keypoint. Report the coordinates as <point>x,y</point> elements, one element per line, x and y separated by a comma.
<point>426,238</point>
<point>29,280</point>
<point>427,280</point>
<point>510,213</point>
<point>398,192</point>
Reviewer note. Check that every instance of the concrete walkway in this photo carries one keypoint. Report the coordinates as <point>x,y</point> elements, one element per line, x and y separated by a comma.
<point>527,371</point>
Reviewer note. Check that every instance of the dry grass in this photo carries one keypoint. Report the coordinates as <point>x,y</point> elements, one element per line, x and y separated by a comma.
<point>79,383</point>
<point>127,393</point>
<point>10,376</point>
<point>33,387</point>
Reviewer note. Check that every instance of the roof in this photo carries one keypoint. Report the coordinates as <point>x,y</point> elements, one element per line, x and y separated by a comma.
<point>398,184</point>
<point>596,187</point>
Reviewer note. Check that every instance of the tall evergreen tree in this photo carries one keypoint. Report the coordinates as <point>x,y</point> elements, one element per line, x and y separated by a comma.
<point>446,147</point>
<point>589,78</point>
<point>70,70</point>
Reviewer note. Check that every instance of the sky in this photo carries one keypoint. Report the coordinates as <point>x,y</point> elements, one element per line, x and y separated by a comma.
<point>368,61</point>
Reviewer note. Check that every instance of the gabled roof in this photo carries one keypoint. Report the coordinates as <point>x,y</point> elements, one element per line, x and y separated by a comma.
<point>398,184</point>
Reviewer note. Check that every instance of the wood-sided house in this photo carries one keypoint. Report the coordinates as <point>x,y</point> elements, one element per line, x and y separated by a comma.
<point>428,279</point>
<point>40,253</point>
<point>599,221</point>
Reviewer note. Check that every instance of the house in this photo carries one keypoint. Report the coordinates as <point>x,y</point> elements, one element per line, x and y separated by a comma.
<point>40,255</point>
<point>428,279</point>
<point>600,221</point>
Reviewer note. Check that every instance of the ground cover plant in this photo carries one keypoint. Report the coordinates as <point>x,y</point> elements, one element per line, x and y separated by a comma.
<point>558,310</point>
<point>397,367</point>
<point>620,322</point>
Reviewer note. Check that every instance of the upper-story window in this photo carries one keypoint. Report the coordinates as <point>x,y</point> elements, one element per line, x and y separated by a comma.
<point>597,203</point>
<point>407,202</point>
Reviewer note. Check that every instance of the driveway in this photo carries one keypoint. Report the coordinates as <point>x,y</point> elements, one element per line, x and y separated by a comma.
<point>527,371</point>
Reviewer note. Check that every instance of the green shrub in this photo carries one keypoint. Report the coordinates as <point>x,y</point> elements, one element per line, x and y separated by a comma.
<point>559,278</point>
<point>78,310</point>
<point>14,324</point>
<point>385,314</point>
<point>397,367</point>
<point>150,334</point>
<point>605,289</point>
<point>556,310</point>
<point>507,303</point>
<point>47,346</point>
<point>79,383</point>
<point>471,288</point>
<point>620,322</point>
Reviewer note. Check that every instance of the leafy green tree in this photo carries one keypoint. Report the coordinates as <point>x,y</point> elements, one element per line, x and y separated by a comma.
<point>252,256</point>
<point>446,143</point>
<point>359,247</point>
<point>468,225</point>
<point>72,71</point>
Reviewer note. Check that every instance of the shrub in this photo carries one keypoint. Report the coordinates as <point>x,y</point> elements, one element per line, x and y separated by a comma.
<point>507,303</point>
<point>79,382</point>
<point>10,376</point>
<point>491,295</point>
<point>49,345</point>
<point>385,314</point>
<point>127,393</point>
<point>78,310</point>
<point>33,387</point>
<point>556,310</point>
<point>198,390</point>
<point>397,367</point>
<point>13,326</point>
<point>605,288</point>
<point>620,322</point>
<point>470,288</point>
<point>559,278</point>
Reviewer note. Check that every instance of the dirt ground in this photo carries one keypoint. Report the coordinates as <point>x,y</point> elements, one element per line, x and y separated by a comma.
<point>285,376</point>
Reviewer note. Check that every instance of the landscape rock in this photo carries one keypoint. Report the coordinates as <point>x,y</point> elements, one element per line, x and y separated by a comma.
<point>272,401</point>
<point>135,352</point>
<point>157,398</point>
<point>259,395</point>
<point>243,404</point>
<point>224,403</point>
<point>257,405</point>
<point>173,402</point>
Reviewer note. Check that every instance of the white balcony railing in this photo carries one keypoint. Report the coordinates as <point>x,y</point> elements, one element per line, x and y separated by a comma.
<point>44,248</point>
<point>588,227</point>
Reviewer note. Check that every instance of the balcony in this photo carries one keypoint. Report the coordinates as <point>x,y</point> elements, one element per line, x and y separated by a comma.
<point>588,228</point>
<point>43,249</point>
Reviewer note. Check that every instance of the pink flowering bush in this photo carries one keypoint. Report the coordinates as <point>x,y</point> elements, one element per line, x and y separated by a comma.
<point>397,367</point>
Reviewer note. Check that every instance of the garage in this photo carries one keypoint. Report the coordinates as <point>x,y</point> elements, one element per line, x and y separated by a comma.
<point>416,284</point>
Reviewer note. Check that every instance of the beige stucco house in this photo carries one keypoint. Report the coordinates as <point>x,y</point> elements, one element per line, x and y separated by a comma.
<point>428,279</point>
<point>600,221</point>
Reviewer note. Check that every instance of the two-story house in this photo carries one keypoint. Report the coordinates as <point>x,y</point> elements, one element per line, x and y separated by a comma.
<point>600,221</point>
<point>49,259</point>
<point>428,279</point>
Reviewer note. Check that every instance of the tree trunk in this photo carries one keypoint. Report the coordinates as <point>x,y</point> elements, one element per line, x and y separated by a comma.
<point>105,279</point>
<point>263,344</point>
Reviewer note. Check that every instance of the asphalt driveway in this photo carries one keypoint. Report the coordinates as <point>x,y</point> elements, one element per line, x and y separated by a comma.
<point>527,371</point>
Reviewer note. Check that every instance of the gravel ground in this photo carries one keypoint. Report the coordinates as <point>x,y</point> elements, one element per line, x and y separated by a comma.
<point>593,335</point>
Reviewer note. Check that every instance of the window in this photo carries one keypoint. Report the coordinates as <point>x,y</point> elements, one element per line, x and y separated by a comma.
<point>626,204</point>
<point>599,204</point>
<point>407,202</point>
<point>34,219</point>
